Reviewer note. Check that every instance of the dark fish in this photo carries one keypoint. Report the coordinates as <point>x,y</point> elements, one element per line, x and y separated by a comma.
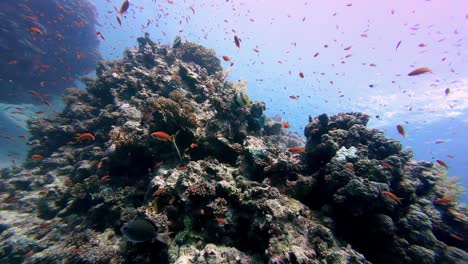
<point>237,41</point>
<point>143,230</point>
<point>177,42</point>
<point>398,45</point>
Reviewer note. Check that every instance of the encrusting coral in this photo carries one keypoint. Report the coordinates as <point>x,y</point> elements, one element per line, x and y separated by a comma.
<point>244,189</point>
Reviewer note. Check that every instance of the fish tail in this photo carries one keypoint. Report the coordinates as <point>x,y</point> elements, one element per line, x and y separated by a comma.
<point>164,238</point>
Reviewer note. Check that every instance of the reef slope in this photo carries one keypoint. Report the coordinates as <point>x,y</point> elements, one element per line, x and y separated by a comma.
<point>231,185</point>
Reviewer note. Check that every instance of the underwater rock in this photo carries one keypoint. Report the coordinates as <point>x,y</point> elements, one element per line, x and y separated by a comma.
<point>227,183</point>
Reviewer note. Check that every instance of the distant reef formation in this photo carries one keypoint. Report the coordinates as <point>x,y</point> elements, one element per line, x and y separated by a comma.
<point>44,45</point>
<point>159,145</point>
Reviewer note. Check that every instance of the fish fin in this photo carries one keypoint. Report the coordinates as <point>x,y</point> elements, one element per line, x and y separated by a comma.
<point>164,238</point>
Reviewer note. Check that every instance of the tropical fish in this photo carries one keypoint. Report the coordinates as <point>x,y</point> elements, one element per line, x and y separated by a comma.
<point>37,157</point>
<point>226,58</point>
<point>84,136</point>
<point>177,42</point>
<point>301,74</point>
<point>296,149</point>
<point>237,41</point>
<point>443,200</point>
<point>392,196</point>
<point>143,230</point>
<point>162,136</point>
<point>242,99</point>
<point>442,163</point>
<point>419,71</point>
<point>447,91</point>
<point>35,30</point>
<point>293,97</point>
<point>194,145</point>
<point>124,7</point>
<point>221,220</point>
<point>286,125</point>
<point>401,130</point>
<point>119,21</point>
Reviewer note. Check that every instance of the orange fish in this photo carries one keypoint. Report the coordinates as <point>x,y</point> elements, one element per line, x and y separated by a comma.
<point>35,30</point>
<point>442,163</point>
<point>301,74</point>
<point>419,71</point>
<point>457,237</point>
<point>84,136</point>
<point>293,97</point>
<point>221,220</point>
<point>158,164</point>
<point>392,196</point>
<point>124,7</point>
<point>159,191</point>
<point>286,125</point>
<point>99,165</point>
<point>162,136</point>
<point>296,150</point>
<point>401,130</point>
<point>193,145</point>
<point>443,200</point>
<point>37,157</point>
<point>237,41</point>
<point>388,166</point>
<point>105,178</point>
<point>226,58</point>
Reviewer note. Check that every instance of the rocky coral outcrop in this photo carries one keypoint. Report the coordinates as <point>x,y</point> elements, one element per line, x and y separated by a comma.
<point>229,184</point>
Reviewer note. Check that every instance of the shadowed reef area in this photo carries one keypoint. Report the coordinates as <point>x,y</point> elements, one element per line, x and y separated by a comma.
<point>231,185</point>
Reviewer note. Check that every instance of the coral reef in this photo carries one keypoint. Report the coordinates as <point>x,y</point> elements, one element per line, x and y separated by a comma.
<point>243,190</point>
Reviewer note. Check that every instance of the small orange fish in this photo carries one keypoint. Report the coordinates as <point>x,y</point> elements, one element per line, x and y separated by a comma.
<point>392,196</point>
<point>162,136</point>
<point>99,165</point>
<point>296,150</point>
<point>457,237</point>
<point>221,220</point>
<point>443,200</point>
<point>158,164</point>
<point>159,192</point>
<point>124,7</point>
<point>301,74</point>
<point>419,71</point>
<point>84,136</point>
<point>314,130</point>
<point>35,30</point>
<point>401,130</point>
<point>388,166</point>
<point>293,97</point>
<point>237,40</point>
<point>226,58</point>
<point>182,168</point>
<point>105,178</point>
<point>286,125</point>
<point>442,163</point>
<point>37,157</point>
<point>193,145</point>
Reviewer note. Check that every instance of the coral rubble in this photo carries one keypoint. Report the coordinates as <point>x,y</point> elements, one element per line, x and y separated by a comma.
<point>225,181</point>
